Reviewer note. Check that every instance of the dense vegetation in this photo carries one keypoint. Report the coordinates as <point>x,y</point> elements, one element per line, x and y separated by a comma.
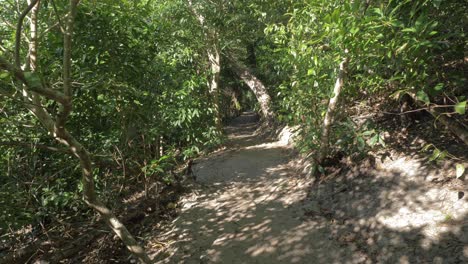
<point>113,95</point>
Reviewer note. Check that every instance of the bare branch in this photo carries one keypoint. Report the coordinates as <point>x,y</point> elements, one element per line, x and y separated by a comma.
<point>44,32</point>
<point>432,106</point>
<point>9,24</point>
<point>58,16</point>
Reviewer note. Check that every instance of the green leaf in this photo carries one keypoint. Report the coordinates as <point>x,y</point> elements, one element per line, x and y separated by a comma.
<point>378,11</point>
<point>427,147</point>
<point>422,96</point>
<point>460,108</point>
<point>439,87</point>
<point>435,155</point>
<point>374,140</point>
<point>361,143</point>
<point>408,30</point>
<point>442,155</point>
<point>436,3</point>
<point>368,132</point>
<point>4,75</point>
<point>321,169</point>
<point>382,140</point>
<point>354,30</point>
<point>460,169</point>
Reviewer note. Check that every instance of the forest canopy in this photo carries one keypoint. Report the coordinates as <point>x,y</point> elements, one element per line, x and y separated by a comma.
<point>100,99</point>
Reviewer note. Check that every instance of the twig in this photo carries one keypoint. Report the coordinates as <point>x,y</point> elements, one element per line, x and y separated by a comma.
<point>419,109</point>
<point>58,16</point>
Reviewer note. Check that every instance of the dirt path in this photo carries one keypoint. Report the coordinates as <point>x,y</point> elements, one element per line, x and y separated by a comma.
<point>248,210</point>
<point>251,206</point>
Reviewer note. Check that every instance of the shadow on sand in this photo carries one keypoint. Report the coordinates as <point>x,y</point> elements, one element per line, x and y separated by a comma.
<point>252,207</point>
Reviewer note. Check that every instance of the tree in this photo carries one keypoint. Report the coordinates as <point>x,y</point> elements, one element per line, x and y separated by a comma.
<point>258,89</point>
<point>34,92</point>
<point>214,59</point>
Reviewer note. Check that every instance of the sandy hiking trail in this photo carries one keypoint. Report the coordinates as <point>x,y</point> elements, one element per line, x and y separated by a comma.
<point>250,205</point>
<point>248,209</point>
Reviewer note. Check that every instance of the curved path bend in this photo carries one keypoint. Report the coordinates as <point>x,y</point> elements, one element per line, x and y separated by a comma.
<point>248,209</point>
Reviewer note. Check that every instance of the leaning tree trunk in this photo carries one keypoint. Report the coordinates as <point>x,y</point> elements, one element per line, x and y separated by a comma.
<point>31,90</point>
<point>257,87</point>
<point>328,120</point>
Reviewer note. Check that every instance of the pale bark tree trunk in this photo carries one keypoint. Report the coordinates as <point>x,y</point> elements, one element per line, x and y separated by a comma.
<point>32,61</point>
<point>257,87</point>
<point>214,60</point>
<point>329,116</point>
<point>215,64</point>
<point>32,92</point>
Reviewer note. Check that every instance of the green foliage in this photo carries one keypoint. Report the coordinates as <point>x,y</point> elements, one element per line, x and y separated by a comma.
<point>460,108</point>
<point>436,154</point>
<point>140,73</point>
<point>12,216</point>
<point>159,168</point>
<point>393,46</point>
<point>139,90</point>
<point>351,138</point>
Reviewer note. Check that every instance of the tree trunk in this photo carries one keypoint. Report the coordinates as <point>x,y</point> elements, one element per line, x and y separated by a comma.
<point>91,199</point>
<point>56,126</point>
<point>215,65</point>
<point>257,87</point>
<point>328,120</point>
<point>214,61</point>
<point>32,61</point>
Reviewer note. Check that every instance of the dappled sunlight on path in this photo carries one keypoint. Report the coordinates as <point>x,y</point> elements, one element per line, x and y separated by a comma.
<point>251,206</point>
<point>396,212</point>
<point>248,210</point>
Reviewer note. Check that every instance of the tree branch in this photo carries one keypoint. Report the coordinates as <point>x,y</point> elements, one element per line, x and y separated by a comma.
<point>66,109</point>
<point>35,87</point>
<point>58,16</point>
<point>19,29</point>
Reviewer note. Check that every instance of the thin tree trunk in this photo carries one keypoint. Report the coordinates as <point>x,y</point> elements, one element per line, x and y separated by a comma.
<point>32,61</point>
<point>92,200</point>
<point>215,65</point>
<point>257,87</point>
<point>214,61</point>
<point>328,120</point>
<point>56,127</point>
